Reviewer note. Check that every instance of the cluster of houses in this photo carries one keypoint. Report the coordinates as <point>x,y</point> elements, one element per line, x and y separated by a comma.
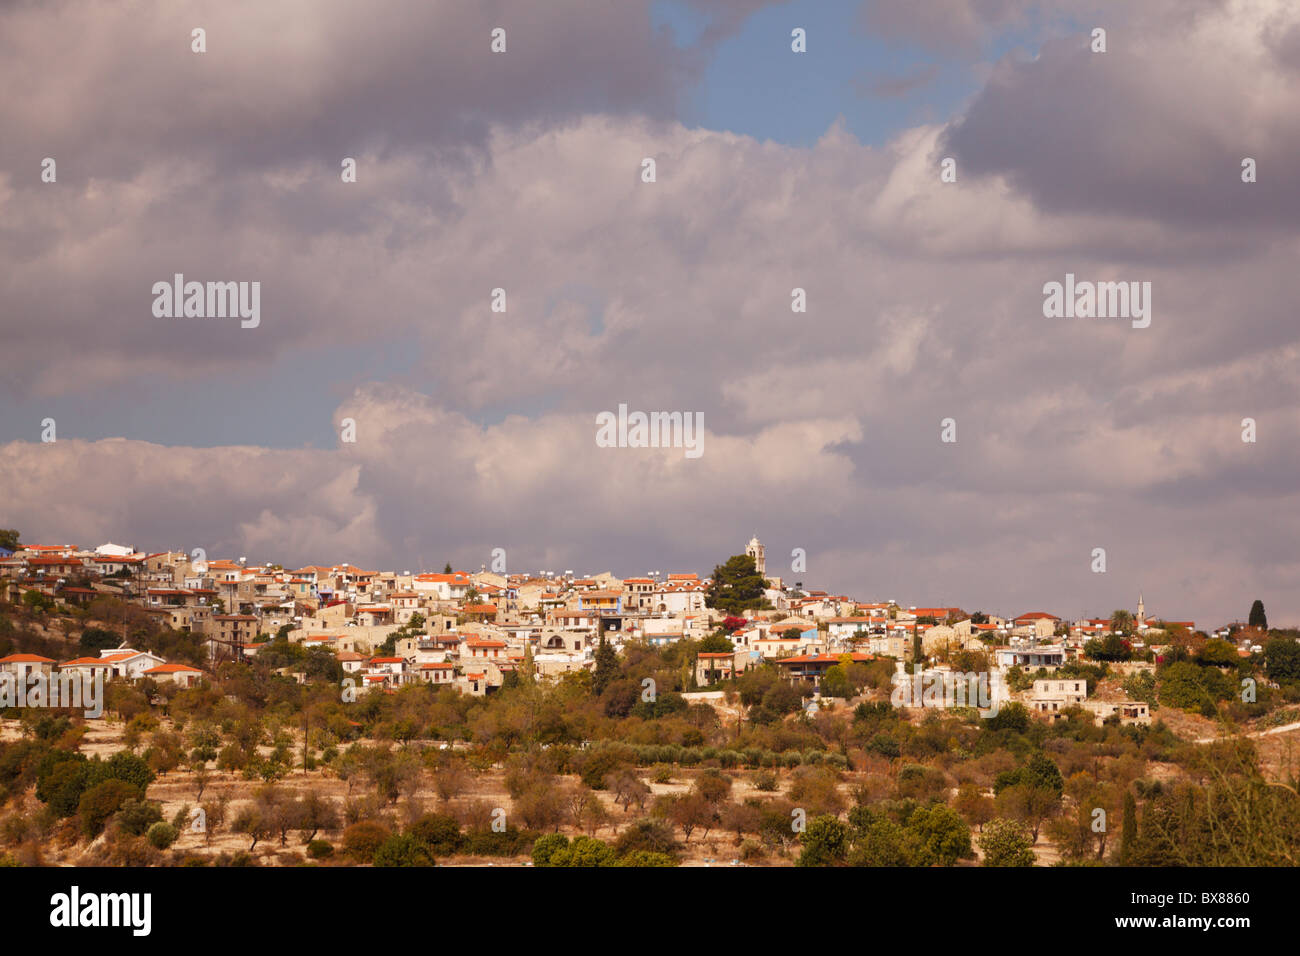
<point>120,663</point>
<point>470,630</point>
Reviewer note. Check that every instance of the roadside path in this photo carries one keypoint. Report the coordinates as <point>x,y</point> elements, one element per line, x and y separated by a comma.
<point>1259,733</point>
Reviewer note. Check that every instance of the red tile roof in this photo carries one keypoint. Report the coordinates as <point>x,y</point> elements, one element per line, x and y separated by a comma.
<point>824,658</point>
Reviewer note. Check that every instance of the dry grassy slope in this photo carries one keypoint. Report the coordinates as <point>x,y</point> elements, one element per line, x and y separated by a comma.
<point>177,789</point>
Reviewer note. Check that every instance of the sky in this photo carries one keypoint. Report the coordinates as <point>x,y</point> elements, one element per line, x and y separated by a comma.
<point>775,170</point>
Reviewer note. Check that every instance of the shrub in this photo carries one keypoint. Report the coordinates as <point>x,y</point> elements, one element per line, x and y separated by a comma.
<point>944,835</point>
<point>136,816</point>
<point>125,766</point>
<point>547,846</point>
<point>510,842</point>
<point>63,785</point>
<point>402,850</point>
<point>645,858</point>
<point>363,839</point>
<point>1188,687</point>
<point>102,801</point>
<point>1006,843</point>
<point>439,832</point>
<point>825,842</point>
<point>320,849</point>
<point>598,765</point>
<point>651,835</point>
<point>161,835</point>
<point>583,851</point>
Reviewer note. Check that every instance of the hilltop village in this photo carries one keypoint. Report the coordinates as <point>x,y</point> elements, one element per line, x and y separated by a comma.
<point>561,719</point>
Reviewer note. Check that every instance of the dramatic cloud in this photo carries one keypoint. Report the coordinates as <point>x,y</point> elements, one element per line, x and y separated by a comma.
<point>476,429</point>
<point>113,88</point>
<point>1156,127</point>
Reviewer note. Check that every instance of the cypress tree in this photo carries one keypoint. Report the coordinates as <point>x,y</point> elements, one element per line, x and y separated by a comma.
<point>1257,616</point>
<point>1129,834</point>
<point>606,665</point>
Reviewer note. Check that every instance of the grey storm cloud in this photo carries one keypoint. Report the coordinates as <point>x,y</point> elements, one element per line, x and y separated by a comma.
<point>822,429</point>
<point>1152,128</point>
<point>115,87</point>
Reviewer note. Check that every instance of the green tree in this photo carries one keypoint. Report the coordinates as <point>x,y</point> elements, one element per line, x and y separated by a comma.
<point>737,587</point>
<point>645,858</point>
<point>1042,772</point>
<point>1129,834</point>
<point>1257,616</point>
<point>315,812</point>
<point>96,639</point>
<point>584,851</point>
<point>136,816</point>
<point>9,539</point>
<point>1028,803</point>
<point>654,836</point>
<point>439,832</point>
<point>1112,647</point>
<point>62,777</point>
<point>835,682</point>
<point>253,821</point>
<point>825,842</point>
<point>1006,843</point>
<point>123,765</point>
<point>402,850</point>
<point>944,836</point>
<point>162,835</point>
<point>545,847</point>
<point>715,644</point>
<point>1012,716</point>
<point>972,804</point>
<point>1218,653</point>
<point>102,801</point>
<point>37,601</point>
<point>363,839</point>
<point>1188,687</point>
<point>606,666</point>
<point>1282,658</point>
<point>882,842</point>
